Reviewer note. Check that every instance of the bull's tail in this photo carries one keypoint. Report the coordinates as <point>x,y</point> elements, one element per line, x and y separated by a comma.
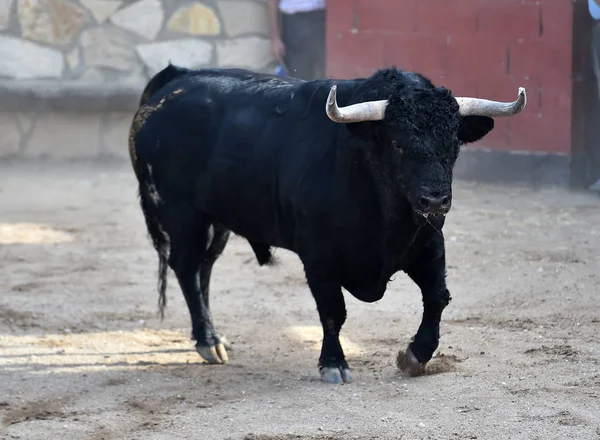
<point>149,197</point>
<point>161,79</point>
<point>160,240</point>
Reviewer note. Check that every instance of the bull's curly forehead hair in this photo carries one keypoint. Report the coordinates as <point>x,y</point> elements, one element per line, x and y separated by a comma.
<point>425,108</point>
<point>427,115</point>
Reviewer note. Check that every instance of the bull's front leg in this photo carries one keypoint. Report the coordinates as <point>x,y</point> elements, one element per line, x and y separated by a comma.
<point>428,271</point>
<point>332,312</point>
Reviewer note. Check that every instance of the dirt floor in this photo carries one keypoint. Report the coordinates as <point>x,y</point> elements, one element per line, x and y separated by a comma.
<point>83,354</point>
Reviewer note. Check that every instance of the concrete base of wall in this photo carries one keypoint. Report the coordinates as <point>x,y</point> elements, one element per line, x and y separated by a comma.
<point>68,120</point>
<point>58,135</point>
<point>494,166</point>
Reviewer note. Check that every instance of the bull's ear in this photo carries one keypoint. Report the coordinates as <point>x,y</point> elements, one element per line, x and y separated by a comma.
<point>474,128</point>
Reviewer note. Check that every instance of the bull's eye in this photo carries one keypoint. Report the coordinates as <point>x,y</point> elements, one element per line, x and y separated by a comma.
<point>398,147</point>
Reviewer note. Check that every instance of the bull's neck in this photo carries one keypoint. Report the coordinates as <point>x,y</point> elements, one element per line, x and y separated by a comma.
<point>378,201</point>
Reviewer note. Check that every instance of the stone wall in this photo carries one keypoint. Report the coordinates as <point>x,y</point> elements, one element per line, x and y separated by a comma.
<point>108,40</point>
<point>71,71</point>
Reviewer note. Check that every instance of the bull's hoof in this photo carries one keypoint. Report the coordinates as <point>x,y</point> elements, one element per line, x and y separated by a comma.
<point>335,375</point>
<point>220,338</point>
<point>223,341</point>
<point>408,363</point>
<point>215,354</point>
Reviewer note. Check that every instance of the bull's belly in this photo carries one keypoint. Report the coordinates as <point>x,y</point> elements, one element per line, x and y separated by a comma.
<point>263,235</point>
<point>258,222</point>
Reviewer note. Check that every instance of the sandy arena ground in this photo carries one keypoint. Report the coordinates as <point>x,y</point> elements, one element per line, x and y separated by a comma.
<point>83,354</point>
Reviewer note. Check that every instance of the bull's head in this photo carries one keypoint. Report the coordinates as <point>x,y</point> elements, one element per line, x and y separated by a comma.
<point>415,143</point>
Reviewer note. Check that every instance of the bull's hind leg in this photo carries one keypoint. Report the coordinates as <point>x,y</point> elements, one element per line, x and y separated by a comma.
<point>217,240</point>
<point>189,234</point>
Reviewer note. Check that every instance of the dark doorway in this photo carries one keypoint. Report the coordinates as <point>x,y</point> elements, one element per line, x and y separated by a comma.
<point>585,159</point>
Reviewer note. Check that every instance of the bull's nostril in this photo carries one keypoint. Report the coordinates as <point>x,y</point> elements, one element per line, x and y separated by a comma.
<point>445,201</point>
<point>424,202</point>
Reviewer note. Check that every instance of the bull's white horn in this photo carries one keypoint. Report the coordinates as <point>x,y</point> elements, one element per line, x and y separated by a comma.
<point>493,109</point>
<point>361,112</point>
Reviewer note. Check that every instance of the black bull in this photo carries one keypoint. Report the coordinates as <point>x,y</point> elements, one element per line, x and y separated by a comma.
<point>358,192</point>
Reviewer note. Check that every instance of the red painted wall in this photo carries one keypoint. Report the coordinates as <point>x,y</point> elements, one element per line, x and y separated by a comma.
<point>482,48</point>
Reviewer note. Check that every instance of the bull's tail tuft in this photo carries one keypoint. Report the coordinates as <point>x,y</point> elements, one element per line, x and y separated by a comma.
<point>162,281</point>
<point>159,238</point>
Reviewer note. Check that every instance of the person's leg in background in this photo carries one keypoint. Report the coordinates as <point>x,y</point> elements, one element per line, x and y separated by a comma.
<point>318,42</point>
<point>595,153</point>
<point>299,42</point>
<point>298,38</point>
